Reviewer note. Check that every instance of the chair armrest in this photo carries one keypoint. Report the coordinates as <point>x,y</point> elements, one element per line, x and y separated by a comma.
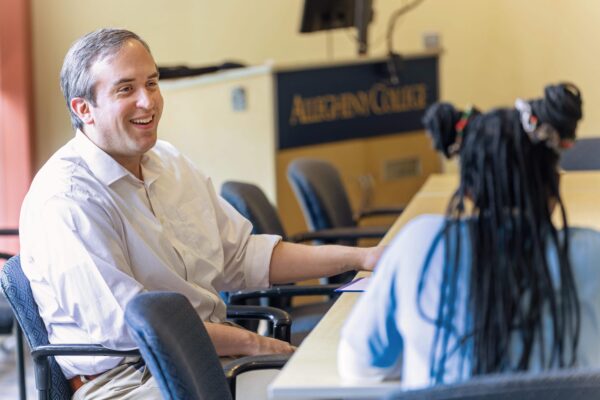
<point>337,234</point>
<point>252,363</point>
<point>40,356</point>
<point>281,291</point>
<point>281,320</point>
<point>79,350</point>
<point>379,211</point>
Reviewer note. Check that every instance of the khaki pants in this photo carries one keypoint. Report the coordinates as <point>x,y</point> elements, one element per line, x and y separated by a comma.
<point>130,380</point>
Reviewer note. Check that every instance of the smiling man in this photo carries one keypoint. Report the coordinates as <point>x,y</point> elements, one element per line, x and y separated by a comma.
<point>116,212</point>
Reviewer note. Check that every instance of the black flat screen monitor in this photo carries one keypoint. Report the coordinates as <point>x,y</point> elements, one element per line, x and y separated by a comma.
<point>322,15</point>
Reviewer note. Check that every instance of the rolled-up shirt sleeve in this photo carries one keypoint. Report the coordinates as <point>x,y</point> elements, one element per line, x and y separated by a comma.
<point>246,257</point>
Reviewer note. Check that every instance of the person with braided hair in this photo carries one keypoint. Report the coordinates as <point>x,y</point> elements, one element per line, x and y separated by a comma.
<point>492,286</point>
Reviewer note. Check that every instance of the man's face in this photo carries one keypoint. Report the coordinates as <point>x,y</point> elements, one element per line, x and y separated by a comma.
<point>124,120</point>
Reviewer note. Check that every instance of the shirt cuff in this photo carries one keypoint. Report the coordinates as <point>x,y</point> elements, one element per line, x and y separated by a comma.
<point>260,249</point>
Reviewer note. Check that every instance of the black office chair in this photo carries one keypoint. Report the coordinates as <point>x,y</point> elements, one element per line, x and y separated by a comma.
<point>324,202</point>
<point>568,384</point>
<point>7,325</point>
<point>49,379</point>
<point>250,201</point>
<point>320,191</point>
<point>177,349</point>
<point>583,156</point>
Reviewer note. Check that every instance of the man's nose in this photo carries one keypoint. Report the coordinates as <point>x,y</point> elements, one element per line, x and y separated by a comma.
<point>145,99</point>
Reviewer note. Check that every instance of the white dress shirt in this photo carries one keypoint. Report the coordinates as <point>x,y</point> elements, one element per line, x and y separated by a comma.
<point>93,236</point>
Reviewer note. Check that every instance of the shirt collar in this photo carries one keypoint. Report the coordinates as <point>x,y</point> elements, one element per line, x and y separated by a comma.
<point>151,167</point>
<point>102,165</point>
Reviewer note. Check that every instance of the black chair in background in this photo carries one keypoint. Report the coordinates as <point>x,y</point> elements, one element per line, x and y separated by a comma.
<point>7,325</point>
<point>583,156</point>
<point>49,379</point>
<point>250,201</point>
<point>177,349</point>
<point>320,192</point>
<point>567,384</point>
<point>324,201</point>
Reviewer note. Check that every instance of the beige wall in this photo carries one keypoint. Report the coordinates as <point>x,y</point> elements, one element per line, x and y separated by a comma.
<point>495,50</point>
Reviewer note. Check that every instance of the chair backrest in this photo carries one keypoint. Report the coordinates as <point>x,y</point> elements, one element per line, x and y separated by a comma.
<point>321,194</point>
<point>250,201</point>
<point>176,347</point>
<point>581,384</point>
<point>6,315</point>
<point>18,292</point>
<point>583,156</point>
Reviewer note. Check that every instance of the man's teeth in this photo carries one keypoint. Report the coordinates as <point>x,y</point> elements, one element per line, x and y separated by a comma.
<point>142,121</point>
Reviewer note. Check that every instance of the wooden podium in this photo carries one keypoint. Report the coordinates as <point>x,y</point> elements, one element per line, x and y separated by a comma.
<point>248,124</point>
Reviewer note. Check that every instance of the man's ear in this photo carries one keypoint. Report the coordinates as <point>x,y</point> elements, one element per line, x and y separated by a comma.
<point>81,107</point>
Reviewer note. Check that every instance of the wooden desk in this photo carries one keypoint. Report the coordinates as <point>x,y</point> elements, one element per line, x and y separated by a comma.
<point>312,372</point>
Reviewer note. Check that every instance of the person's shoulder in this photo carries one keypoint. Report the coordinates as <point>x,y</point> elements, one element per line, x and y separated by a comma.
<point>422,223</point>
<point>583,232</point>
<point>65,172</point>
<point>584,237</point>
<point>416,233</point>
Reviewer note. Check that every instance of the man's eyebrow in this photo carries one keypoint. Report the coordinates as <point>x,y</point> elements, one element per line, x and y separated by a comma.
<point>127,80</point>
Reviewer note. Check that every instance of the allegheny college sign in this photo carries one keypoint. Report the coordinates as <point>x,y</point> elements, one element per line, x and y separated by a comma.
<point>379,99</point>
<point>321,105</point>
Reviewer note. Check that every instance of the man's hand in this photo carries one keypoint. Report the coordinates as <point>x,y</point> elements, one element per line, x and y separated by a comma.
<point>234,341</point>
<point>371,257</point>
<point>268,345</point>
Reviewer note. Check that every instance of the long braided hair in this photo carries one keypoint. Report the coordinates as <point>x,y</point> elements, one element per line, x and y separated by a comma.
<point>508,188</point>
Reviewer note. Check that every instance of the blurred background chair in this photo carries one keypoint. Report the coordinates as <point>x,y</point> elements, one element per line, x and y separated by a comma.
<point>49,379</point>
<point>324,201</point>
<point>583,156</point>
<point>177,349</point>
<point>250,201</point>
<point>8,325</point>
<point>320,192</point>
<point>567,384</point>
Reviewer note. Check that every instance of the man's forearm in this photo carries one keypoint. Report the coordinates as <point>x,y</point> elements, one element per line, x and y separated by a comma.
<point>232,341</point>
<point>292,262</point>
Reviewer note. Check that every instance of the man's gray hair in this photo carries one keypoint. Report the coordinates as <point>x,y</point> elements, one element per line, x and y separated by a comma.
<point>75,76</point>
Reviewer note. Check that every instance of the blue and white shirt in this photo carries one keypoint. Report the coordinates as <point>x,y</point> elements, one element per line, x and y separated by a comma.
<point>386,337</point>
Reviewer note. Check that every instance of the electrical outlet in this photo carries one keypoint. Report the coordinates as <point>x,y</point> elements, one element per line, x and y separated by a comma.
<point>431,40</point>
<point>238,99</point>
<point>401,168</point>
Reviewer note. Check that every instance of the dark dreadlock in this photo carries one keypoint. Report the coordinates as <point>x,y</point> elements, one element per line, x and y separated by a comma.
<point>509,173</point>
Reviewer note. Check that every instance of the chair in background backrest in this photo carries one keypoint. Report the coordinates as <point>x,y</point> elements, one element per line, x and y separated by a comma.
<point>324,202</point>
<point>49,379</point>
<point>320,191</point>
<point>567,384</point>
<point>583,156</point>
<point>250,201</point>
<point>7,324</point>
<point>177,349</point>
